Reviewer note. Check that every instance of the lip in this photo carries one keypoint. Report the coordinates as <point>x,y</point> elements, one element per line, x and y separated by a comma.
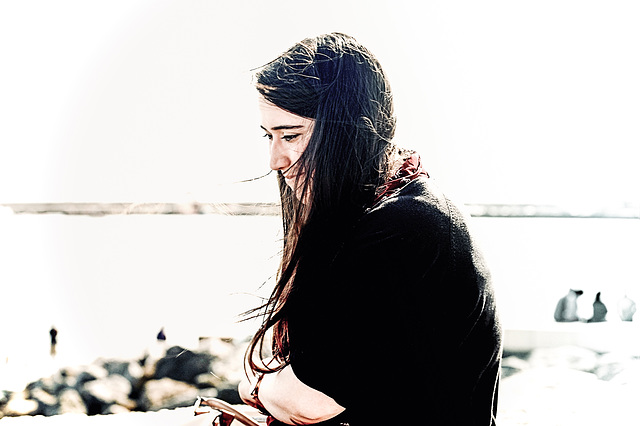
<point>290,181</point>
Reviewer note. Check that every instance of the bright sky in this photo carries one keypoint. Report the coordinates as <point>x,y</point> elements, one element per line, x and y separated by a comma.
<point>147,100</point>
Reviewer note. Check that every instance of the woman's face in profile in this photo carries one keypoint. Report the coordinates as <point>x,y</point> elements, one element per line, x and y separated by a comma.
<point>288,136</point>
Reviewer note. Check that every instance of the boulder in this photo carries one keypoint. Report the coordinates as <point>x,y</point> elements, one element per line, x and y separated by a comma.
<point>208,393</point>
<point>47,403</point>
<point>209,380</point>
<point>86,374</point>
<point>99,394</point>
<point>116,409</point>
<point>20,405</point>
<point>227,365</point>
<point>4,397</point>
<point>130,370</point>
<point>183,365</point>
<point>230,394</point>
<point>167,393</point>
<point>47,384</point>
<point>513,364</point>
<point>70,401</point>
<point>110,386</point>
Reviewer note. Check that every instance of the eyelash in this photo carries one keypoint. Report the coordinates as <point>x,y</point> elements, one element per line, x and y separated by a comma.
<point>286,138</point>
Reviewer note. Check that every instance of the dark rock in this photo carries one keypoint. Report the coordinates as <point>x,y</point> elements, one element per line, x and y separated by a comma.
<point>89,373</point>
<point>208,393</point>
<point>4,397</point>
<point>114,389</point>
<point>99,394</point>
<point>53,384</point>
<point>115,386</point>
<point>93,404</point>
<point>47,403</point>
<point>513,364</point>
<point>209,380</point>
<point>130,370</point>
<point>116,367</point>
<point>230,395</point>
<point>183,365</point>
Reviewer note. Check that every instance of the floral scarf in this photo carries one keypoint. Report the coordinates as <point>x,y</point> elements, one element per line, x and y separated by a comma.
<point>410,170</point>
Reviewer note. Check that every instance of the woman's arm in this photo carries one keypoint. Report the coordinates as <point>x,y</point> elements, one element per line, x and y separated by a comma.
<point>289,400</point>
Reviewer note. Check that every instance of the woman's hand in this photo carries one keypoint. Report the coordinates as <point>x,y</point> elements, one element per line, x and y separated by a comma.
<point>289,400</point>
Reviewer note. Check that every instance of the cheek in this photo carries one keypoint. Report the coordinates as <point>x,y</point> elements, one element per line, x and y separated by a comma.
<point>302,146</point>
<point>295,155</point>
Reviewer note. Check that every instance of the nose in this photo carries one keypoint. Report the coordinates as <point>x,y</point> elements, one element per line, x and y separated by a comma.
<point>280,158</point>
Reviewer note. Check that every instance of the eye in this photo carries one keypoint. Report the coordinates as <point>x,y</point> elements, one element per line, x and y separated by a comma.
<point>289,138</point>
<point>268,136</point>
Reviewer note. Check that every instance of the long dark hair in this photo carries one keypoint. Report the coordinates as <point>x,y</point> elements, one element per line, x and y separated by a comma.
<point>337,82</point>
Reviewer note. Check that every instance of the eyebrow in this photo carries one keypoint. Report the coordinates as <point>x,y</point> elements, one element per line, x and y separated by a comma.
<point>283,127</point>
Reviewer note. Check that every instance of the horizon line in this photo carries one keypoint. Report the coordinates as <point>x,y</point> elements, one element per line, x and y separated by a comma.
<point>520,210</point>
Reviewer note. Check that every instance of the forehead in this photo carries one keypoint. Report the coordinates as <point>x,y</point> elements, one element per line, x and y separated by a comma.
<point>273,116</point>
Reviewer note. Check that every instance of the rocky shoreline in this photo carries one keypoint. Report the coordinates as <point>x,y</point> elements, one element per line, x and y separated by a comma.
<point>545,386</point>
<point>110,386</point>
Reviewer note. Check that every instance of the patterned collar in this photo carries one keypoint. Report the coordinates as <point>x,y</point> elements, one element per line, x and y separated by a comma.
<point>410,170</point>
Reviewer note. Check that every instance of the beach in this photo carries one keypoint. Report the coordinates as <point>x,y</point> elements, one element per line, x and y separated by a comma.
<point>550,388</point>
<point>108,284</point>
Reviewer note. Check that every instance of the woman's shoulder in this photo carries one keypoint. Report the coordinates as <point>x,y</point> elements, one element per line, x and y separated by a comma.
<point>419,203</point>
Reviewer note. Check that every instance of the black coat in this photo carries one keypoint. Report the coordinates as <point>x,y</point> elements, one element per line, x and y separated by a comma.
<point>403,316</point>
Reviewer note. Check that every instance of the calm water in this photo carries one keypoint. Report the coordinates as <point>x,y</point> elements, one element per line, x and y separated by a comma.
<point>109,283</point>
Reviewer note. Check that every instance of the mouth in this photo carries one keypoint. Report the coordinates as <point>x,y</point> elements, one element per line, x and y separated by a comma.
<point>289,176</point>
<point>290,180</point>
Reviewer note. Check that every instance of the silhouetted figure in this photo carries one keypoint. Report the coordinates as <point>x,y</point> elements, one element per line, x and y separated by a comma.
<point>626,308</point>
<point>599,310</point>
<point>161,336</point>
<point>567,307</point>
<point>53,333</point>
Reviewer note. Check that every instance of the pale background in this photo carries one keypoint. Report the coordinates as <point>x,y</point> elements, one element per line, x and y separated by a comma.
<point>138,100</point>
<point>151,101</point>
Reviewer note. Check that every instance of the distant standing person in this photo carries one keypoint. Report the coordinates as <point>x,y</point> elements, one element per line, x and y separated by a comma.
<point>161,336</point>
<point>626,308</point>
<point>567,307</point>
<point>599,310</point>
<point>53,334</point>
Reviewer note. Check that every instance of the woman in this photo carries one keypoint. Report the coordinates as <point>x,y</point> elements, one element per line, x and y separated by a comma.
<point>382,303</point>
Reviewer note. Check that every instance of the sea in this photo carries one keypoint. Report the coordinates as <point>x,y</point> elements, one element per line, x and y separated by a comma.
<point>109,284</point>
